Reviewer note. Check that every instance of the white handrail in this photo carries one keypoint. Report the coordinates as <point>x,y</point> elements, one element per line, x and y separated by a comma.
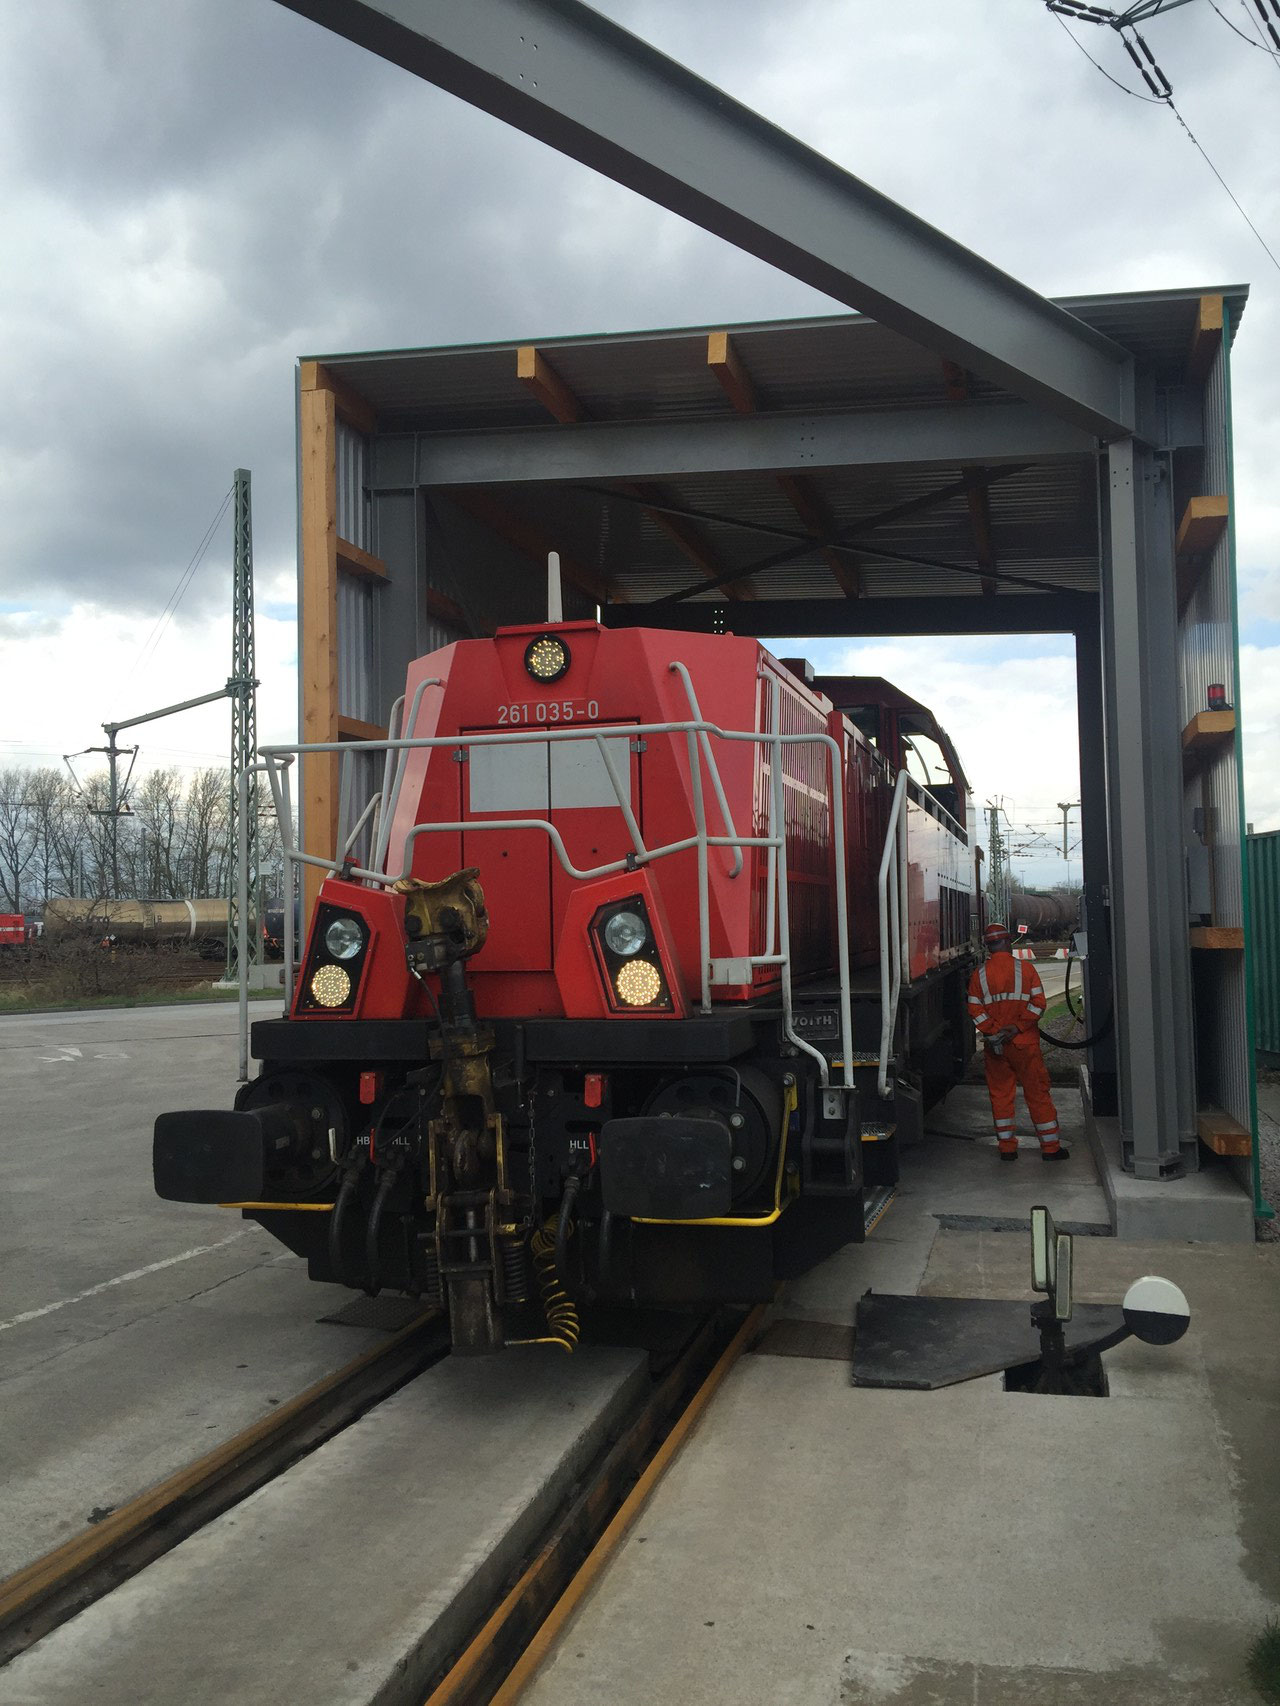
<point>698,732</point>
<point>704,740</point>
<point>891,928</point>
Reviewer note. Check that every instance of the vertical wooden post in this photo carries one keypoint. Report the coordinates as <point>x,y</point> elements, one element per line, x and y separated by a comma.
<point>318,654</point>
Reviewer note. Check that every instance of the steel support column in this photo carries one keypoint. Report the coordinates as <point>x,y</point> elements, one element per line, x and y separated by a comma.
<point>1151,944</point>
<point>562,73</point>
<point>1096,885</point>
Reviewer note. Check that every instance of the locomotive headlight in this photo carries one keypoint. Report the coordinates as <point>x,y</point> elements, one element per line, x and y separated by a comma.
<point>625,934</point>
<point>638,983</point>
<point>330,986</point>
<point>546,658</point>
<point>344,939</point>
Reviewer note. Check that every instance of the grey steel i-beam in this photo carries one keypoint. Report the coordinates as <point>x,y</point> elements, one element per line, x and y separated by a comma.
<point>979,433</point>
<point>560,72</point>
<point>1150,922</point>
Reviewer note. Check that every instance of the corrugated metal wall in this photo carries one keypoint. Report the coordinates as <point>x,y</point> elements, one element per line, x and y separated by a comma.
<point>1264,911</point>
<point>357,637</point>
<point>355,507</point>
<point>357,648</point>
<point>1208,652</point>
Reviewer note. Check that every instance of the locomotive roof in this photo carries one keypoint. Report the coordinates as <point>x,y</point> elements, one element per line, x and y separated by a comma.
<point>642,541</point>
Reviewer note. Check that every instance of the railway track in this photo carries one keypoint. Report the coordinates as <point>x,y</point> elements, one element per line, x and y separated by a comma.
<point>504,1642</point>
<point>53,1588</point>
<point>515,1638</point>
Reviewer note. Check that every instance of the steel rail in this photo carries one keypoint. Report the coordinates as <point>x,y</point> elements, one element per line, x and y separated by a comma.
<point>515,1639</point>
<point>53,1588</point>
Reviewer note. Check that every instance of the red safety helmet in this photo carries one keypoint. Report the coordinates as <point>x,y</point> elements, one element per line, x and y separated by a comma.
<point>995,933</point>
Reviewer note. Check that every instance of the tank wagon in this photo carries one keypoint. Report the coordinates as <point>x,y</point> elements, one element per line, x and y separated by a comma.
<point>201,922</point>
<point>1046,916</point>
<point>631,976</point>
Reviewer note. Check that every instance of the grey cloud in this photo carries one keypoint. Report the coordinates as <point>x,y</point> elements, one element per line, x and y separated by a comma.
<point>301,196</point>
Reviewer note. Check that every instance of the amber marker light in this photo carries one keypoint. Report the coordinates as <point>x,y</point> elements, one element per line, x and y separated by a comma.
<point>638,983</point>
<point>546,658</point>
<point>330,986</point>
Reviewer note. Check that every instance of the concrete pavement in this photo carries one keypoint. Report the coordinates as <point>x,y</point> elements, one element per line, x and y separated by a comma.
<point>134,1334</point>
<point>820,1544</point>
<point>350,1578</point>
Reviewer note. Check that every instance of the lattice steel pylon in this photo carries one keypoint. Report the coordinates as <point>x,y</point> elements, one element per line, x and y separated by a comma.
<point>244,733</point>
<point>999,884</point>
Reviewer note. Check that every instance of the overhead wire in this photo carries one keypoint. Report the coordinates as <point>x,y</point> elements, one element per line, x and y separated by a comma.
<point>1162,95</point>
<point>149,645</point>
<point>1236,30</point>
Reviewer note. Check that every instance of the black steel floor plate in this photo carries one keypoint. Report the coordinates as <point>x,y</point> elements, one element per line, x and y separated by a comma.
<point>920,1343</point>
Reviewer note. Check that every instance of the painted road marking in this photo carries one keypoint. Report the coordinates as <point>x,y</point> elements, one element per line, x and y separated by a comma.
<point>123,1279</point>
<point>68,1052</point>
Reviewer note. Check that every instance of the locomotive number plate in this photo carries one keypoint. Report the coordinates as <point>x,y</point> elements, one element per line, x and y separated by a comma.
<point>550,711</point>
<point>817,1024</point>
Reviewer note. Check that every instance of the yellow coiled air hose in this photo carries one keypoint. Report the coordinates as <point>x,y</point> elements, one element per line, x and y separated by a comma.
<point>558,1307</point>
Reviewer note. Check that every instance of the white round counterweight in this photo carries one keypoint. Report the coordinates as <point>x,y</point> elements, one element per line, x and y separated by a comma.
<point>1156,1310</point>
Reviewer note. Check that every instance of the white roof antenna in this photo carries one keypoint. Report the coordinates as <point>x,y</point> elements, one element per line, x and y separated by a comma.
<point>555,597</point>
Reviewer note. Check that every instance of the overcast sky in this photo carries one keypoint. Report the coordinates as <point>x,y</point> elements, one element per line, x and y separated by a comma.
<point>197,192</point>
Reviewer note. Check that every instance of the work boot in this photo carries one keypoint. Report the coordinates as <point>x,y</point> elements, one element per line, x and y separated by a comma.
<point>1058,1154</point>
<point>1008,1154</point>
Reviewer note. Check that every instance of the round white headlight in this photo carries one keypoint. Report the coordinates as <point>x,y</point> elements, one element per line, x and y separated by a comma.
<point>344,938</point>
<point>625,933</point>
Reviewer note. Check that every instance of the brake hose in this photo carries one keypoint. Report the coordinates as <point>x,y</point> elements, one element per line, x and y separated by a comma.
<point>1085,1042</point>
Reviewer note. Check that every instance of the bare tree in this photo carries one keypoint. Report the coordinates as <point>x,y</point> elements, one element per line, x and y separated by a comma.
<point>18,846</point>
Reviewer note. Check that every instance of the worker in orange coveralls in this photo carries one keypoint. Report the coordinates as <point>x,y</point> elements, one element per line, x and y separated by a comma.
<point>1006,1003</point>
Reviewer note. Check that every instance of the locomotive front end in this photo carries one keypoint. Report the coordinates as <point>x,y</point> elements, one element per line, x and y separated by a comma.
<point>548,1044</point>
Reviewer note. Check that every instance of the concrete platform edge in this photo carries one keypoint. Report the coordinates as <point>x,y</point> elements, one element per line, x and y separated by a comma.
<point>411,1674</point>
<point>1208,1207</point>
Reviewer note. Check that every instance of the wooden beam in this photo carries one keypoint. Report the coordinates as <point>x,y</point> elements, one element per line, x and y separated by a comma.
<point>1203,522</point>
<point>978,499</point>
<point>350,405</point>
<point>816,519</point>
<point>956,381</point>
<point>975,482</point>
<point>1208,729</point>
<point>443,609</point>
<point>1224,1135</point>
<point>1206,338</point>
<point>355,728</point>
<point>726,364</point>
<point>1204,737</point>
<point>532,541</point>
<point>318,647</point>
<point>698,549</point>
<point>1201,526</point>
<point>360,563</point>
<point>536,373</point>
<point>1217,936</point>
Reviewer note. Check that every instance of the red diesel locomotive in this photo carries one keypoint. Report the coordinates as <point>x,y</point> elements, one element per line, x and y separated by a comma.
<point>634,972</point>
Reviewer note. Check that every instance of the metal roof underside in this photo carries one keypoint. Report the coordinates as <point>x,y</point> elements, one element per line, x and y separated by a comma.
<point>1043,518</point>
